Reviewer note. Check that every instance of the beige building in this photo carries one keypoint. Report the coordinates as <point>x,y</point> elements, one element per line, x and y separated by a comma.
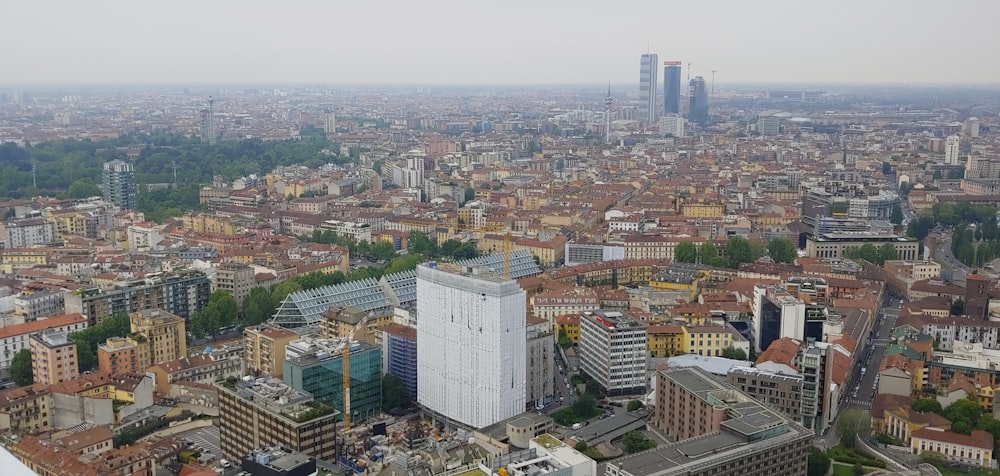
<point>25,409</point>
<point>833,245</point>
<point>265,412</point>
<point>975,449</point>
<point>782,392</point>
<point>237,279</point>
<point>163,336</point>
<point>265,349</point>
<point>53,357</point>
<point>119,355</point>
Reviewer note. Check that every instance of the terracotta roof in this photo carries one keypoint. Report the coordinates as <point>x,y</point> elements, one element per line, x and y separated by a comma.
<point>568,319</point>
<point>42,324</point>
<point>406,332</point>
<point>887,401</point>
<point>781,351</point>
<point>978,438</point>
<point>19,394</point>
<point>79,441</point>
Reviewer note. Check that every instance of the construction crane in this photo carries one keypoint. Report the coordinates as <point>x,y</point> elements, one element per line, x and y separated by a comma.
<point>345,349</point>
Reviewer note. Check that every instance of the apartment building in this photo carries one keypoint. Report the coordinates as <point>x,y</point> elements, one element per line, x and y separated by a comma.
<point>119,355</point>
<point>613,351</point>
<point>778,390</point>
<point>182,294</point>
<point>28,232</point>
<point>263,413</point>
<point>399,355</point>
<point>53,357</point>
<point>237,279</point>
<point>164,336</point>
<point>25,409</point>
<point>540,363</point>
<point>265,349</point>
<point>569,300</point>
<point>15,338</point>
<point>39,304</point>
<point>201,368</point>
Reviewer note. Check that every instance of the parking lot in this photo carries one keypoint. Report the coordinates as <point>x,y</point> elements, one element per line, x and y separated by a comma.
<point>205,440</point>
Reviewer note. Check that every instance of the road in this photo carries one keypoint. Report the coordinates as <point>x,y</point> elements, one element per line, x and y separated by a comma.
<point>944,254</point>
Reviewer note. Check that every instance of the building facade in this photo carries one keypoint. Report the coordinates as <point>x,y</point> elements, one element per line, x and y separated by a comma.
<point>698,99</point>
<point>540,363</point>
<point>649,67</point>
<point>164,336</point>
<point>264,352</point>
<point>15,338</point>
<point>671,87</point>
<point>237,279</point>
<point>399,355</point>
<point>53,357</point>
<point>28,232</point>
<point>119,188</point>
<point>613,351</point>
<point>182,294</point>
<point>314,366</point>
<point>472,344</point>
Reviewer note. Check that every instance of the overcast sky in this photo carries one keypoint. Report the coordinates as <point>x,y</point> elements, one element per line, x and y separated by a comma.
<point>495,42</point>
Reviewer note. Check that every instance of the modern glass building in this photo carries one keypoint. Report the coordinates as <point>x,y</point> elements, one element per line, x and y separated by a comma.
<point>671,87</point>
<point>648,82</point>
<point>399,345</point>
<point>310,366</point>
<point>698,96</point>
<point>118,180</point>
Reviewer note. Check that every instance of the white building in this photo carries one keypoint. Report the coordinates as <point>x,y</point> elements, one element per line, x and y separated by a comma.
<point>40,304</point>
<point>15,338</point>
<point>29,232</point>
<point>951,150</point>
<point>356,231</point>
<point>143,238</point>
<point>329,122</point>
<point>471,330</point>
<point>672,124</point>
<point>613,351</point>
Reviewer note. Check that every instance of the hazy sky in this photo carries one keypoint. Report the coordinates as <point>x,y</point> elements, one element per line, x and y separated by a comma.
<point>500,41</point>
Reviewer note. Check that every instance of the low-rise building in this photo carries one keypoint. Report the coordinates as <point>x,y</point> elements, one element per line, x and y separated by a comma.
<point>25,409</point>
<point>265,349</point>
<point>975,449</point>
<point>15,338</point>
<point>201,368</point>
<point>36,305</point>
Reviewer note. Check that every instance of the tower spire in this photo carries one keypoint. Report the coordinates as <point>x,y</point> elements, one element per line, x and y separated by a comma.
<point>608,100</point>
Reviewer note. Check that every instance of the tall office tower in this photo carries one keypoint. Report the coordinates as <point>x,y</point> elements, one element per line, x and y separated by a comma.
<point>648,82</point>
<point>608,101</point>
<point>329,122</point>
<point>119,184</point>
<point>698,95</point>
<point>671,87</point>
<point>951,150</point>
<point>208,122</point>
<point>472,335</point>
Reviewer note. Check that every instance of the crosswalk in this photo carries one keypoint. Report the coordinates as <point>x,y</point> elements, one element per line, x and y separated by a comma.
<point>857,402</point>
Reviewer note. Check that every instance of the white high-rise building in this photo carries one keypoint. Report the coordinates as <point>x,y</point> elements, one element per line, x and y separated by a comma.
<point>649,67</point>
<point>951,150</point>
<point>472,352</point>
<point>329,122</point>
<point>613,351</point>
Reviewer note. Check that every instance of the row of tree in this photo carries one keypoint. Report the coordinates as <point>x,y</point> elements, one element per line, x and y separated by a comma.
<point>87,340</point>
<point>872,254</point>
<point>738,250</point>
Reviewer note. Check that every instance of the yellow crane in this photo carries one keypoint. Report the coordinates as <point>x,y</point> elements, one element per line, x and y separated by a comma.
<point>345,349</point>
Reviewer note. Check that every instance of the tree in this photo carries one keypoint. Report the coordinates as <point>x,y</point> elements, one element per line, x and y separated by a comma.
<point>418,243</point>
<point>394,394</point>
<point>257,306</point>
<point>634,405</point>
<point>709,254</point>
<point>581,446</point>
<point>923,405</point>
<point>932,457</point>
<point>282,290</point>
<point>738,251</point>
<point>585,405</point>
<point>87,340</point>
<point>220,312</point>
<point>859,469</point>
<point>897,215</point>
<point>83,188</point>
<point>686,252</point>
<point>964,409</point>
<point>887,252</point>
<point>853,423</point>
<point>819,462</point>
<point>470,193</point>
<point>734,353</point>
<point>958,307</point>
<point>635,442</point>
<point>782,250</point>
<point>963,426</point>
<point>20,368</point>
<point>564,340</point>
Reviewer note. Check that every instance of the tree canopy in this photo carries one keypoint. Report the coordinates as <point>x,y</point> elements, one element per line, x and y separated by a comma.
<point>220,312</point>
<point>782,250</point>
<point>853,423</point>
<point>90,338</point>
<point>686,252</point>
<point>20,368</point>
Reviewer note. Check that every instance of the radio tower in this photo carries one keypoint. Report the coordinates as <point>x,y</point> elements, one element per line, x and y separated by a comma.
<point>607,115</point>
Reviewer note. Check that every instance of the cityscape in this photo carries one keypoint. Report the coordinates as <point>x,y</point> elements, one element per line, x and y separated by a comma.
<point>676,264</point>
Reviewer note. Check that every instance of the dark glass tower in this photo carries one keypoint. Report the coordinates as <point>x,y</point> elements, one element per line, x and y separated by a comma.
<point>671,87</point>
<point>698,94</point>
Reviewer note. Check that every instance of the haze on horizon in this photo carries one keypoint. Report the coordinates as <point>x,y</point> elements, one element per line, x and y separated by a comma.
<point>512,42</point>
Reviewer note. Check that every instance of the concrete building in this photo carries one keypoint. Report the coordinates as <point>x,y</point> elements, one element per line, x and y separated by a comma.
<point>768,124</point>
<point>237,279</point>
<point>278,462</point>
<point>399,355</point>
<point>119,187</point>
<point>329,123</point>
<point>781,391</point>
<point>975,449</point>
<point>715,429</point>
<point>25,409</point>
<point>264,413</point>
<point>201,368</point>
<point>164,336</point>
<point>833,245</point>
<point>951,150</point>
<point>28,232</point>
<point>39,304</point>
<point>613,351</point>
<point>15,338</point>
<point>265,349</point>
<point>471,330</point>
<point>358,232</point>
<point>544,455</point>
<point>313,365</point>
<point>53,357</point>
<point>540,363</point>
<point>780,314</point>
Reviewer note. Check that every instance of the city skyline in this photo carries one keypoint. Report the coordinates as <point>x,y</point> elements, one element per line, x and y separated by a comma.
<point>451,42</point>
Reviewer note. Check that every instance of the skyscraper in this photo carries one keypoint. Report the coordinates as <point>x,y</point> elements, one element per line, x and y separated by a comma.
<point>119,184</point>
<point>698,94</point>
<point>951,150</point>
<point>671,87</point>
<point>648,82</point>
<point>208,122</point>
<point>329,122</point>
<point>472,353</point>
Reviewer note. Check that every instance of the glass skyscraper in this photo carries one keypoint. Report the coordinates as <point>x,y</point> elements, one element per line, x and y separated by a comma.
<point>118,180</point>
<point>671,87</point>
<point>322,376</point>
<point>698,94</point>
<point>649,67</point>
